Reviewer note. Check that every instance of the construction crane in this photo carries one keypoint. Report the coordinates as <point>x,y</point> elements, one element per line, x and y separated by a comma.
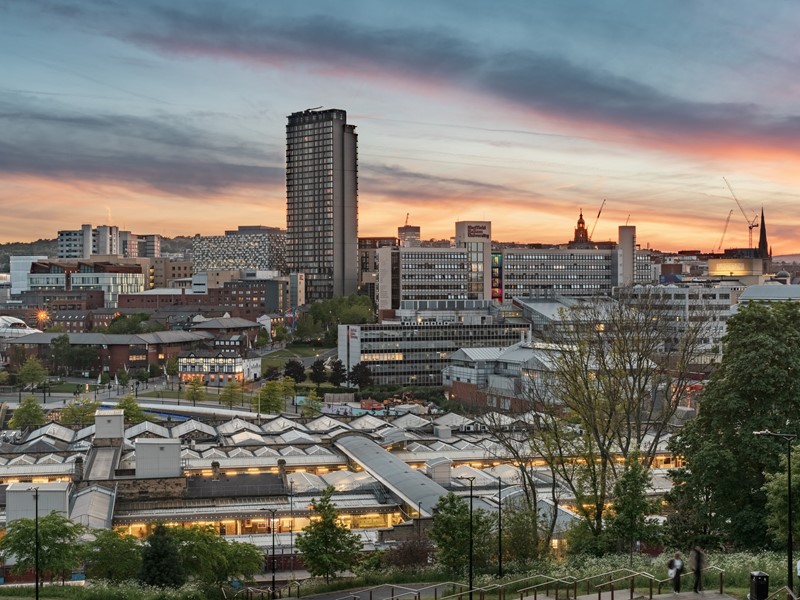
<point>596,219</point>
<point>725,230</point>
<point>751,223</point>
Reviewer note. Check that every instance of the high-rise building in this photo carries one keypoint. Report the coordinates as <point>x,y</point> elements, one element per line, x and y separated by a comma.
<point>321,202</point>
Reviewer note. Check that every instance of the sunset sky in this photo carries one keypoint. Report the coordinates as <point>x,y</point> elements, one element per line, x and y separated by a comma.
<point>162,116</point>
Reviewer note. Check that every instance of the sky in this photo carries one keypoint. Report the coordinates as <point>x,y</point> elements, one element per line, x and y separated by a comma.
<point>169,116</point>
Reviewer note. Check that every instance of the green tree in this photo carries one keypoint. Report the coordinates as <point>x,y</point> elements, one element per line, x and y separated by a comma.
<point>172,366</point>
<point>29,413</point>
<point>31,373</point>
<point>776,487</point>
<point>4,377</point>
<point>79,412</point>
<point>262,339</point>
<point>270,398</point>
<point>161,560</point>
<point>230,393</point>
<point>195,390</point>
<point>211,559</point>
<point>308,328</point>
<point>629,521</point>
<point>360,375</point>
<point>288,388</point>
<point>59,548</point>
<point>123,377</point>
<point>450,533</point>
<point>133,412</point>
<point>295,370</point>
<point>318,373</point>
<point>85,358</point>
<point>312,405</point>
<point>61,354</point>
<point>279,334</point>
<point>112,556</point>
<point>338,373</point>
<point>328,547</point>
<point>720,490</point>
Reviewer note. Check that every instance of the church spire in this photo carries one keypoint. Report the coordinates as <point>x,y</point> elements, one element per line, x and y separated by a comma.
<point>763,246</point>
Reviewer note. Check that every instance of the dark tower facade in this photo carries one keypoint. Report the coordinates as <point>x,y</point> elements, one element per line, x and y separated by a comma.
<point>322,202</point>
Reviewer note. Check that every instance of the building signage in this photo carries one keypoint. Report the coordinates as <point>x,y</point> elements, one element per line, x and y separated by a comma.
<point>477,231</point>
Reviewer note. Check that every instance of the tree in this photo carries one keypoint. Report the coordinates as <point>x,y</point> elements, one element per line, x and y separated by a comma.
<point>308,328</point>
<point>3,377</point>
<point>211,559</point>
<point>123,377</point>
<point>411,554</point>
<point>312,405</point>
<point>338,373</point>
<point>262,339</point>
<point>719,490</point>
<point>172,366</point>
<point>295,370</point>
<point>318,373</point>
<point>195,390</point>
<point>279,334</point>
<point>59,550</point>
<point>161,560</point>
<point>61,353</point>
<point>328,547</point>
<point>112,556</point>
<point>628,522</point>
<point>133,412</point>
<point>270,398</point>
<point>79,412</point>
<point>777,511</point>
<point>288,389</point>
<point>450,533</point>
<point>360,375</point>
<point>29,413</point>
<point>230,392</point>
<point>31,373</point>
<point>611,380</point>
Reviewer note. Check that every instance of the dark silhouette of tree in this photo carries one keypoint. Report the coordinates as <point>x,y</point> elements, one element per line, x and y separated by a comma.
<point>295,370</point>
<point>360,375</point>
<point>318,373</point>
<point>161,560</point>
<point>338,373</point>
<point>113,556</point>
<point>29,413</point>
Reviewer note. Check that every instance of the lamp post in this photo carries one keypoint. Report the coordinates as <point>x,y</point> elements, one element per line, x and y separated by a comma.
<point>788,438</point>
<point>272,511</point>
<point>36,539</point>
<point>499,527</point>
<point>291,525</point>
<point>471,572</point>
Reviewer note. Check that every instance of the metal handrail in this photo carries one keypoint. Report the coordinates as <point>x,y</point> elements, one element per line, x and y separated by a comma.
<point>630,576</point>
<point>790,595</point>
<point>548,581</point>
<point>704,569</point>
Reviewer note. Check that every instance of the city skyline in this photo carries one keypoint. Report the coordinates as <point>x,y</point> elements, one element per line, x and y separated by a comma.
<point>169,117</point>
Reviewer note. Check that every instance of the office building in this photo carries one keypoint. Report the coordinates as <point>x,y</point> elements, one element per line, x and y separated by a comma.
<point>321,202</point>
<point>88,241</point>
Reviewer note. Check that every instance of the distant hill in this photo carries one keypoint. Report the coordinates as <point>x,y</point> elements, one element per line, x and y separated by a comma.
<point>786,258</point>
<point>49,247</point>
<point>37,248</point>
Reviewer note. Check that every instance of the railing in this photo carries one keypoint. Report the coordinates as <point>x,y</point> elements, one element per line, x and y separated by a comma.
<point>790,595</point>
<point>630,578</point>
<point>705,570</point>
<point>556,582</point>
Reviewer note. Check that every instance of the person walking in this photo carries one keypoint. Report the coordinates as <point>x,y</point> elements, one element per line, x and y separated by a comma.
<point>697,563</point>
<point>675,568</point>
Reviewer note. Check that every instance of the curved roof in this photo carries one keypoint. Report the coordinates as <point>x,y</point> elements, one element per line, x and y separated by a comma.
<point>13,327</point>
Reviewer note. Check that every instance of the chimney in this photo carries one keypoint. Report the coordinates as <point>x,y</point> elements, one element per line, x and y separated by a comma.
<point>215,471</point>
<point>78,474</point>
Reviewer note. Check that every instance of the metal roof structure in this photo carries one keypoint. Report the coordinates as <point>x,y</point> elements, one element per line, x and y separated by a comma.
<point>408,484</point>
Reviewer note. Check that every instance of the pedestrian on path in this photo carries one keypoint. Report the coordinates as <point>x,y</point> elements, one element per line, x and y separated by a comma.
<point>675,568</point>
<point>697,561</point>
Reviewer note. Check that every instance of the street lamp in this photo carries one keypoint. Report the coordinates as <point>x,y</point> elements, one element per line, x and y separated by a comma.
<point>272,527</point>
<point>36,538</point>
<point>291,524</point>
<point>788,438</point>
<point>499,526</point>
<point>471,481</point>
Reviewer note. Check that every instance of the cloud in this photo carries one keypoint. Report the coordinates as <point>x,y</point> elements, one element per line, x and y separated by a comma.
<point>164,152</point>
<point>546,83</point>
